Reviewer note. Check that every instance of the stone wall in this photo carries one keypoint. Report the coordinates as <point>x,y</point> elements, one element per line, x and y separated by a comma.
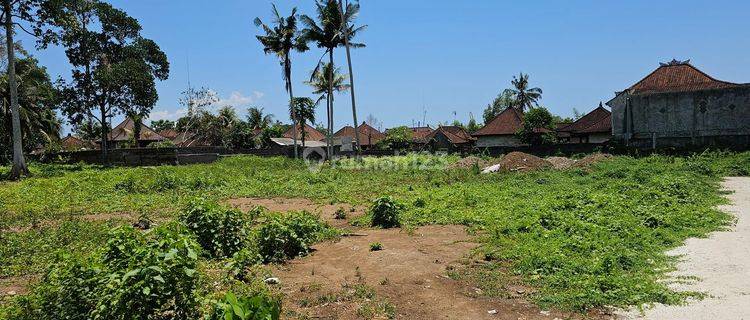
<point>498,141</point>
<point>682,119</point>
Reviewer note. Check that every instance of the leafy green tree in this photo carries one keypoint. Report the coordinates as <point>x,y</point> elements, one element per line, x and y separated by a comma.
<point>525,97</point>
<point>538,127</point>
<point>36,98</point>
<point>472,126</point>
<point>398,138</point>
<point>327,34</point>
<point>281,40</point>
<point>87,129</point>
<point>161,125</point>
<point>115,69</point>
<point>503,101</point>
<point>304,110</point>
<point>256,119</point>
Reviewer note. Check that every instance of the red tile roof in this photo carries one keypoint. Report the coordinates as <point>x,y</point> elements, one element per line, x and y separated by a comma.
<point>456,135</point>
<point>678,77</point>
<point>312,134</point>
<point>598,120</point>
<point>507,122</point>
<point>368,134</point>
<point>124,130</point>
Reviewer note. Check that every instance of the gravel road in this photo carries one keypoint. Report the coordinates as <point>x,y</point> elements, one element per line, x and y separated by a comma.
<point>722,262</point>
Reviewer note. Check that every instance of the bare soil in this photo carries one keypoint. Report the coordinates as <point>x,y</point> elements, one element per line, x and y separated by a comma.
<point>561,163</point>
<point>592,159</point>
<point>325,211</point>
<point>519,161</point>
<point>407,279</point>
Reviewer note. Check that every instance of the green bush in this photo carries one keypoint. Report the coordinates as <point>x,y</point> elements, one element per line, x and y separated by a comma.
<point>385,212</point>
<point>220,231</point>
<point>136,276</point>
<point>280,238</point>
<point>376,246</point>
<point>259,307</point>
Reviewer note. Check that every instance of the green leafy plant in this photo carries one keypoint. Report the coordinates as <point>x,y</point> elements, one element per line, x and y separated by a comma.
<point>376,246</point>
<point>385,212</point>
<point>220,231</point>
<point>340,214</point>
<point>258,307</point>
<point>280,238</point>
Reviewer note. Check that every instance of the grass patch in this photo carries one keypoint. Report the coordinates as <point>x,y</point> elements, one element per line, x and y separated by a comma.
<point>583,238</point>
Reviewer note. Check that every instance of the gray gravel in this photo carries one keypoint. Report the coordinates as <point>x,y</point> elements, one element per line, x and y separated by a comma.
<point>722,262</point>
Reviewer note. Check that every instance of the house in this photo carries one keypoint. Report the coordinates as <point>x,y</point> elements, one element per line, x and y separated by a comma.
<point>368,135</point>
<point>121,136</point>
<point>678,105</point>
<point>73,143</point>
<point>419,134</point>
<point>501,131</point>
<point>310,133</point>
<point>594,127</point>
<point>450,139</point>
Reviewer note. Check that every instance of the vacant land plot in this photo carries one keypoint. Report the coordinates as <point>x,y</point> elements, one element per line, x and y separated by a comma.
<point>578,240</point>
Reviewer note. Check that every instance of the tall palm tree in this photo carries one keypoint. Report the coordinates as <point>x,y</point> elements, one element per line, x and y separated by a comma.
<point>320,82</point>
<point>327,34</point>
<point>281,40</point>
<point>257,120</point>
<point>19,163</point>
<point>304,110</point>
<point>352,10</point>
<point>525,97</point>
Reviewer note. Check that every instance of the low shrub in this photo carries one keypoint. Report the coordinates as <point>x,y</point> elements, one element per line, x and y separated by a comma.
<point>258,307</point>
<point>136,276</point>
<point>385,212</point>
<point>376,246</point>
<point>220,231</point>
<point>340,214</point>
<point>280,238</point>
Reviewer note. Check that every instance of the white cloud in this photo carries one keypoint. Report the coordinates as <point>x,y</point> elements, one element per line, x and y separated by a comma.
<point>167,115</point>
<point>235,99</point>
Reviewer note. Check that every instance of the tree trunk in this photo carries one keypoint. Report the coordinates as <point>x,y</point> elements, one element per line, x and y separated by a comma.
<point>330,104</point>
<point>291,107</point>
<point>19,163</point>
<point>105,134</point>
<point>351,78</point>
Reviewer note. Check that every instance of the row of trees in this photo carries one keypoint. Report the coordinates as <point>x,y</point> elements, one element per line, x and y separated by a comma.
<point>114,68</point>
<point>333,28</point>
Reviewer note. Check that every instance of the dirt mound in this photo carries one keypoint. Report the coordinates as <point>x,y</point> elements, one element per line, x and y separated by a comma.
<point>468,162</point>
<point>561,163</point>
<point>518,161</point>
<point>592,159</point>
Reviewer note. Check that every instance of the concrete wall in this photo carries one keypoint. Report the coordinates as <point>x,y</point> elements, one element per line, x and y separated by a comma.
<point>693,115</point>
<point>498,141</point>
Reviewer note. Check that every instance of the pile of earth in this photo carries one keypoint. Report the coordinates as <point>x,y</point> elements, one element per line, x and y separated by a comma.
<point>468,162</point>
<point>592,159</point>
<point>518,161</point>
<point>561,163</point>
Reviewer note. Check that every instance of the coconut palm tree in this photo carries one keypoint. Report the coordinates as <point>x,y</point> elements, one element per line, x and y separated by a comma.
<point>281,40</point>
<point>304,110</point>
<point>320,82</point>
<point>327,34</point>
<point>525,97</point>
<point>257,120</point>
<point>352,10</point>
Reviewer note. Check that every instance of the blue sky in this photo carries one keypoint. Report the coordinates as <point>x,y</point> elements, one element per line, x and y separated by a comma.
<point>443,56</point>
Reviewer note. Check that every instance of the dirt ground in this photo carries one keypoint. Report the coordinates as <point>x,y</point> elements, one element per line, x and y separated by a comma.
<point>407,279</point>
<point>722,264</point>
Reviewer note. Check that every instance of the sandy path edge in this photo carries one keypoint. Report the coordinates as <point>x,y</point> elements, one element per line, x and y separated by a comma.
<point>721,261</point>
